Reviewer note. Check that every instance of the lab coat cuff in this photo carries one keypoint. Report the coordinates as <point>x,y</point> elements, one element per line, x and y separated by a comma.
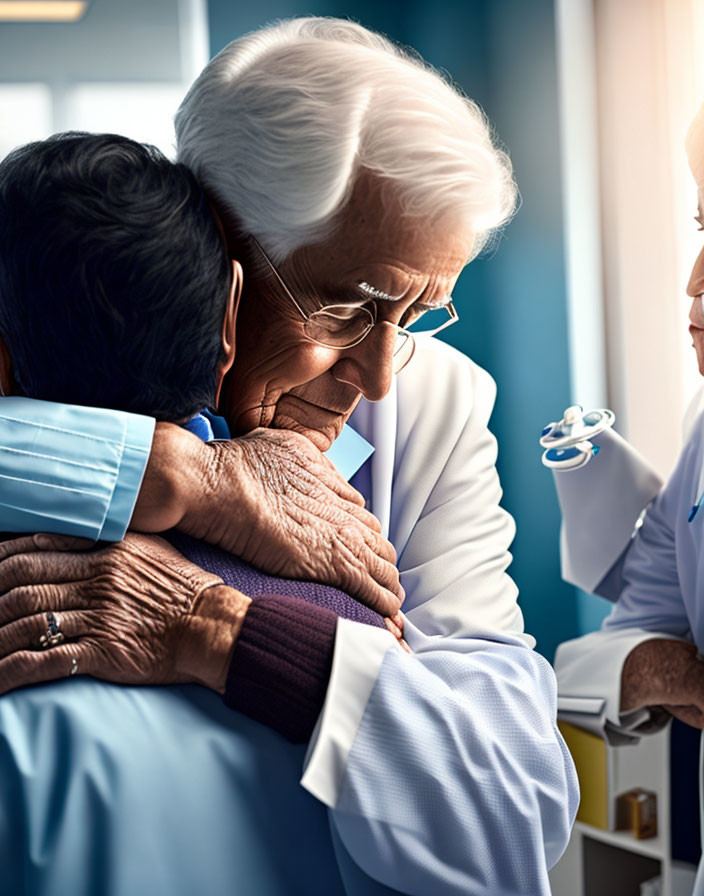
<point>139,432</point>
<point>591,667</point>
<point>359,653</point>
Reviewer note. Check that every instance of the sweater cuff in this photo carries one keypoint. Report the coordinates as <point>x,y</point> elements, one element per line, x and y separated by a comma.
<point>281,664</point>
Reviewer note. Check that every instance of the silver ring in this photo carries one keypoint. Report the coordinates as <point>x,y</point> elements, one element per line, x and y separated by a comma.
<point>74,666</point>
<point>53,634</point>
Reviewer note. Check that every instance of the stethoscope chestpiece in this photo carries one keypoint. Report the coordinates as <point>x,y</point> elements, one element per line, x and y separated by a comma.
<point>567,442</point>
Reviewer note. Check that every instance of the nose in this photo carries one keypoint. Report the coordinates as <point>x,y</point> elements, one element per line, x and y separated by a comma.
<point>368,366</point>
<point>695,287</point>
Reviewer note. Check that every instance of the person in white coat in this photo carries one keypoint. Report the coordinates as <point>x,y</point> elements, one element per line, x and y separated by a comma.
<point>645,663</point>
<point>354,184</point>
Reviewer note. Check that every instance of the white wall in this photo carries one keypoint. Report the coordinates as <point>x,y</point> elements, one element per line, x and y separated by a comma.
<point>123,68</point>
<point>648,91</point>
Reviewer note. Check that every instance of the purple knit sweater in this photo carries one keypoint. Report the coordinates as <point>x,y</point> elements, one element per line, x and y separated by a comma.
<point>281,664</point>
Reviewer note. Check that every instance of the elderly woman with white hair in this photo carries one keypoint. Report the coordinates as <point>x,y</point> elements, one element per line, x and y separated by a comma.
<point>353,183</point>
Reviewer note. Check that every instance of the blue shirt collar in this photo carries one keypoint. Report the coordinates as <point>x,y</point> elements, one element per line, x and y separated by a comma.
<point>348,452</point>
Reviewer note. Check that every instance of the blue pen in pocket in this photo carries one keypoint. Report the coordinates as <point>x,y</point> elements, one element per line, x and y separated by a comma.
<point>700,491</point>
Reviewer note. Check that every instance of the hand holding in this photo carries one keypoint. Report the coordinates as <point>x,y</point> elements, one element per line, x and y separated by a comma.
<point>137,612</point>
<point>273,499</point>
<point>668,674</point>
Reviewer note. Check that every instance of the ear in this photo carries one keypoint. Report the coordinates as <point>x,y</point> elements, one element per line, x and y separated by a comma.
<point>7,381</point>
<point>229,325</point>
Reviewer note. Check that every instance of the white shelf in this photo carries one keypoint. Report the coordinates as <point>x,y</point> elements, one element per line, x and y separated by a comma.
<point>653,847</point>
<point>585,871</point>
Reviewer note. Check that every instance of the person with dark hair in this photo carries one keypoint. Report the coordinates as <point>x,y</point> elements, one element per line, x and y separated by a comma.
<point>116,289</point>
<point>114,278</point>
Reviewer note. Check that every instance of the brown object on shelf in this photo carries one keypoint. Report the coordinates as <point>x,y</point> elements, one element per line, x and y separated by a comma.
<point>636,811</point>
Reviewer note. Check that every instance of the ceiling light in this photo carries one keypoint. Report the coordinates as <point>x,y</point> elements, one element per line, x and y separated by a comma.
<point>42,10</point>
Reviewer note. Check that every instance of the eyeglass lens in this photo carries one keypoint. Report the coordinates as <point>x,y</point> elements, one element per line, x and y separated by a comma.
<point>339,325</point>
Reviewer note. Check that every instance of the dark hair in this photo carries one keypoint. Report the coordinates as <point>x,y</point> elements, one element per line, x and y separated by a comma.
<point>114,276</point>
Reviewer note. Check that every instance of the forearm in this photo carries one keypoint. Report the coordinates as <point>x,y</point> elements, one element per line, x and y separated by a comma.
<point>656,671</point>
<point>644,677</point>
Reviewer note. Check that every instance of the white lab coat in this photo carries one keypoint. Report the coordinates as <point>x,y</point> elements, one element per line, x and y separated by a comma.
<point>429,761</point>
<point>659,582</point>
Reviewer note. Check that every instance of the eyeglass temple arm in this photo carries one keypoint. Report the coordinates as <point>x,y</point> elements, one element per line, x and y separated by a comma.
<point>278,277</point>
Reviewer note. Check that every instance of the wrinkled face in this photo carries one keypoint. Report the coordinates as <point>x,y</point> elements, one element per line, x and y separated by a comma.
<point>695,288</point>
<point>281,378</point>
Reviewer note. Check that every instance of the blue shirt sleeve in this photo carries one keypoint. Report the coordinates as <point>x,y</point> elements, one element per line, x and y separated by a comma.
<point>70,469</point>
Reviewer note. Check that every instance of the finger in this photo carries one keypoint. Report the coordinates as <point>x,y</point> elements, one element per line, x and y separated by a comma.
<point>27,600</point>
<point>373,595</point>
<point>364,516</point>
<point>27,633</point>
<point>362,581</point>
<point>50,541</point>
<point>393,628</point>
<point>41,542</point>
<point>690,715</point>
<point>398,621</point>
<point>17,546</point>
<point>383,570</point>
<point>331,478</point>
<point>35,666</point>
<point>381,546</point>
<point>43,567</point>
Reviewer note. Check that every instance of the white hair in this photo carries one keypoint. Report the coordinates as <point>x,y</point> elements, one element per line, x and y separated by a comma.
<point>279,124</point>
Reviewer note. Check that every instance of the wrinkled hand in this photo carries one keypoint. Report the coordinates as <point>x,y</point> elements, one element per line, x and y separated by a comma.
<point>273,499</point>
<point>667,674</point>
<point>137,612</point>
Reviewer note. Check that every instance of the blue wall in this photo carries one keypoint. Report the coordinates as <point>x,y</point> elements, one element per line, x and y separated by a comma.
<point>512,303</point>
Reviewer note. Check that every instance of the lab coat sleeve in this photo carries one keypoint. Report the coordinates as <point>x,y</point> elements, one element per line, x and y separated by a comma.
<point>650,606</point>
<point>600,504</point>
<point>456,744</point>
<point>70,469</point>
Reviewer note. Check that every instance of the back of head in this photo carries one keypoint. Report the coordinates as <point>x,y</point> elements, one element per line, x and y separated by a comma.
<point>113,276</point>
<point>279,124</point>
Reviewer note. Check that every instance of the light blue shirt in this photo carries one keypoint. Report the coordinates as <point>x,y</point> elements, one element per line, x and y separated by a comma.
<point>70,469</point>
<point>78,471</point>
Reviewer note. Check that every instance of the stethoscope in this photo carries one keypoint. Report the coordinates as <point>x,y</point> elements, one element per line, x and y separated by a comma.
<point>567,441</point>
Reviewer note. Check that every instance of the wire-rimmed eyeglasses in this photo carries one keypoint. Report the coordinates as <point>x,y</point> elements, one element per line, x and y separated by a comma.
<point>343,326</point>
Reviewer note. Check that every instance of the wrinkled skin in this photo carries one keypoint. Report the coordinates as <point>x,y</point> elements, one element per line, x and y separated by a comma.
<point>668,675</point>
<point>273,499</point>
<point>281,379</point>
<point>136,612</point>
